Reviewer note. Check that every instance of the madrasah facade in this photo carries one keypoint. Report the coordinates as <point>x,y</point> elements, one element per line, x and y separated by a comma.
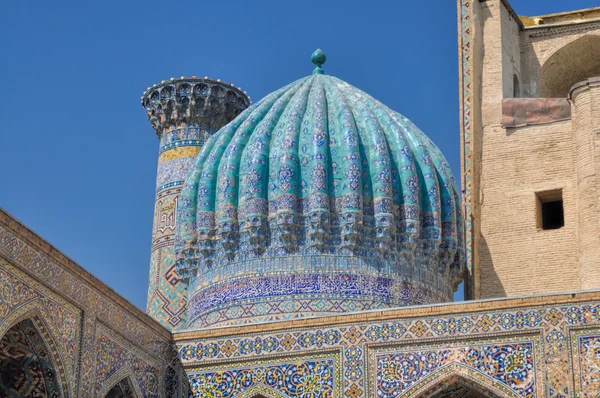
<point>309,244</point>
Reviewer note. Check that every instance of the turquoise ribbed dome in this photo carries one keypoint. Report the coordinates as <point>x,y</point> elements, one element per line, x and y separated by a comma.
<point>317,200</point>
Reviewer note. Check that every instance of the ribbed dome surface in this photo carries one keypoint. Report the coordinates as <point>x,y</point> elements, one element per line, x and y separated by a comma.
<point>317,200</point>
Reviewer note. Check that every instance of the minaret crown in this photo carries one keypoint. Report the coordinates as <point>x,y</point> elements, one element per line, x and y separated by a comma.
<point>192,101</point>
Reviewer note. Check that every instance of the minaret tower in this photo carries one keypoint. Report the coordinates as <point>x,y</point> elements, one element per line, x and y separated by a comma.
<point>185,112</point>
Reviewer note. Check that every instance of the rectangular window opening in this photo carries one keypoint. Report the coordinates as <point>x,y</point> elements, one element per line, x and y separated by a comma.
<point>550,212</point>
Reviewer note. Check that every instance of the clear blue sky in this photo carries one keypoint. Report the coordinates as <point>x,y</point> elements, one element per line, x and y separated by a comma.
<point>78,162</point>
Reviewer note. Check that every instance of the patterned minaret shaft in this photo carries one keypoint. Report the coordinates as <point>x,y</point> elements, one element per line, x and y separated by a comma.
<point>184,112</point>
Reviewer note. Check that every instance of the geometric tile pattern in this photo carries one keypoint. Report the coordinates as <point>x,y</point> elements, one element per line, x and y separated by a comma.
<point>184,113</point>
<point>311,377</point>
<point>121,390</point>
<point>289,296</point>
<point>458,387</point>
<point>29,300</point>
<point>509,366</point>
<point>317,178</point>
<point>465,76</point>
<point>501,350</point>
<point>585,349</point>
<point>113,356</point>
<point>67,306</point>
<point>26,366</point>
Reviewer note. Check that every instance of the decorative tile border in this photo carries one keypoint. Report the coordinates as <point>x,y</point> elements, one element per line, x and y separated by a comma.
<point>316,375</point>
<point>356,339</point>
<point>585,359</point>
<point>465,76</point>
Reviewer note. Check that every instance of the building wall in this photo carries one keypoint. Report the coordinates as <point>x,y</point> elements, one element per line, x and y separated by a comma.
<point>586,124</point>
<point>515,255</point>
<point>513,162</point>
<point>540,43</point>
<point>541,346</point>
<point>523,347</point>
<point>534,347</point>
<point>96,338</point>
<point>510,27</point>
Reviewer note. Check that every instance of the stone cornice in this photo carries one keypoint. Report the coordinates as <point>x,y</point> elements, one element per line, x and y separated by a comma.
<point>464,307</point>
<point>75,269</point>
<point>552,30</point>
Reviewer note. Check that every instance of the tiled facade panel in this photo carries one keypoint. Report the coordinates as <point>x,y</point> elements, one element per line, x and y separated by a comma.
<point>93,338</point>
<point>510,348</point>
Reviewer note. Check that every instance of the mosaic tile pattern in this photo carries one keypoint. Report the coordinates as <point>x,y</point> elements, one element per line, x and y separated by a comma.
<point>112,356</point>
<point>184,113</point>
<point>506,346</point>
<point>30,301</point>
<point>511,364</point>
<point>312,377</point>
<point>465,76</point>
<point>26,366</point>
<point>461,385</point>
<point>317,176</point>
<point>292,296</point>
<point>121,390</point>
<point>585,349</point>
<point>71,334</point>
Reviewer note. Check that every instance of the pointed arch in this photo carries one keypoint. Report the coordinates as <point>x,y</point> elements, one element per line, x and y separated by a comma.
<point>572,63</point>
<point>459,375</point>
<point>171,382</point>
<point>123,375</point>
<point>543,58</point>
<point>261,391</point>
<point>26,365</point>
<point>33,319</point>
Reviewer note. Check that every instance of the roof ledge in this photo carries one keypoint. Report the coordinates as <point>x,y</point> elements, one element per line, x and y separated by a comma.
<point>562,18</point>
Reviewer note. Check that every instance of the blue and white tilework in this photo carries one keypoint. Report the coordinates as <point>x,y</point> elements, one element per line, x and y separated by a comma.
<point>318,199</point>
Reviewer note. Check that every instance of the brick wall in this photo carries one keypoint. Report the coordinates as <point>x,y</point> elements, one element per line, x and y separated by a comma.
<point>586,125</point>
<point>513,254</point>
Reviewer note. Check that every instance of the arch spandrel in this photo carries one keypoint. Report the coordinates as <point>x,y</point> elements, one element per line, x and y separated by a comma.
<point>438,383</point>
<point>262,391</point>
<point>119,379</point>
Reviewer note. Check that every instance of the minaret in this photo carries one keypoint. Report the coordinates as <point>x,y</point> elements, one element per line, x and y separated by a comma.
<point>185,112</point>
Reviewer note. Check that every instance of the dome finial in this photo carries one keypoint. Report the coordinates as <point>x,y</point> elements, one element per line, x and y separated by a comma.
<point>318,58</point>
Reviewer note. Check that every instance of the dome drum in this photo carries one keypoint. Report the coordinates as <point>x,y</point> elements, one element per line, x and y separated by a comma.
<point>317,200</point>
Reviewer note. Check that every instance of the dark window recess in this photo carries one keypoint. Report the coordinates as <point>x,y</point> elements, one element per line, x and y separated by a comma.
<point>516,87</point>
<point>550,210</point>
<point>552,215</point>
